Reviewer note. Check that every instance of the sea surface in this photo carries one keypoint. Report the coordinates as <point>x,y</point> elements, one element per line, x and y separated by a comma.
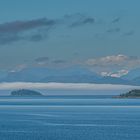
<point>69,118</point>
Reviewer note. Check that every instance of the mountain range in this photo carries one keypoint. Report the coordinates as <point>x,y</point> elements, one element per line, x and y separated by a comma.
<point>68,75</point>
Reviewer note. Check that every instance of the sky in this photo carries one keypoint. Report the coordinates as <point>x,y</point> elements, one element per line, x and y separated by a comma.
<point>100,34</point>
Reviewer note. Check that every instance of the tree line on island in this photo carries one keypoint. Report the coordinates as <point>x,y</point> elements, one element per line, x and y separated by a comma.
<point>131,94</point>
<point>25,92</point>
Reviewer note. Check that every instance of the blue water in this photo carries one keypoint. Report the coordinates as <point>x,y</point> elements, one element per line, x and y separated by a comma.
<point>69,118</point>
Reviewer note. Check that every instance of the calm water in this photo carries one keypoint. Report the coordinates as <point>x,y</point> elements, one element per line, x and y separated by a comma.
<point>69,118</point>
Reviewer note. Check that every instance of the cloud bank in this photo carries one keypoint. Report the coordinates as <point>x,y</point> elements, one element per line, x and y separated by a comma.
<point>65,86</point>
<point>114,62</point>
<point>112,65</point>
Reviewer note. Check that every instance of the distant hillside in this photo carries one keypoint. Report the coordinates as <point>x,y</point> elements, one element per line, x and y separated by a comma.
<point>131,94</point>
<point>68,75</point>
<point>75,74</point>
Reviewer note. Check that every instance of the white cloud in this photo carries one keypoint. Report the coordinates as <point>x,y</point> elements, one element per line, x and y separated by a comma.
<point>115,74</point>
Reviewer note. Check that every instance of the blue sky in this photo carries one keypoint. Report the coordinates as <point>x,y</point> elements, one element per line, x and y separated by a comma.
<point>68,31</point>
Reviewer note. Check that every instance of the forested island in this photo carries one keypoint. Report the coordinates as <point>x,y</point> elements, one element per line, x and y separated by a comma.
<point>131,94</point>
<point>25,93</point>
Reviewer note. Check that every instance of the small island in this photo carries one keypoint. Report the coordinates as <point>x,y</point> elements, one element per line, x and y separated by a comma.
<point>131,94</point>
<point>25,93</point>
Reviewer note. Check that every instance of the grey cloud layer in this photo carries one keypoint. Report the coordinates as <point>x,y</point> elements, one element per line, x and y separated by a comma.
<point>83,21</point>
<point>130,33</point>
<point>116,20</point>
<point>38,29</point>
<point>113,30</point>
<point>19,26</point>
<point>78,19</point>
<point>19,30</point>
<point>45,61</point>
<point>42,59</point>
<point>59,61</point>
<point>112,62</point>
